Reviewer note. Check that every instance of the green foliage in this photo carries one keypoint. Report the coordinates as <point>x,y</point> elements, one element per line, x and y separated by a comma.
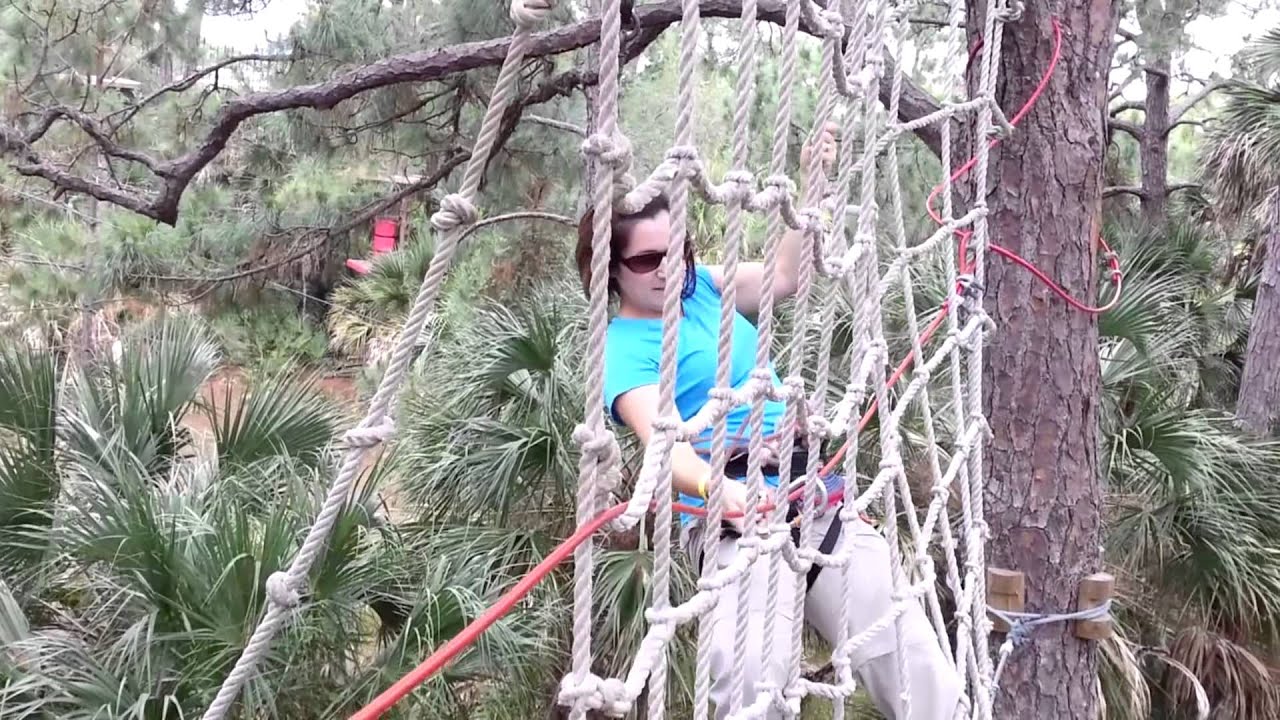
<point>144,592</point>
<point>1243,148</point>
<point>498,403</point>
<point>269,339</point>
<point>29,484</point>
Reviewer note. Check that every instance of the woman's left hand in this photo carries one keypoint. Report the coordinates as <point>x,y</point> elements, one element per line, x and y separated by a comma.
<point>826,145</point>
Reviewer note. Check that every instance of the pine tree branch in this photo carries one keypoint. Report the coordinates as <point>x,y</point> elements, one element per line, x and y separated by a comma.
<point>1126,126</point>
<point>1137,190</point>
<point>1206,91</point>
<point>190,80</point>
<point>1116,110</point>
<point>176,174</point>
<point>556,86</point>
<point>1114,190</point>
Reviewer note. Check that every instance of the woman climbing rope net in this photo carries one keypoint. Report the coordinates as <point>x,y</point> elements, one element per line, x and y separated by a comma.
<point>637,279</point>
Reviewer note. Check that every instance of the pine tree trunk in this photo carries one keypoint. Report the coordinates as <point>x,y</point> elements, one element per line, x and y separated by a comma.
<point>1155,140</point>
<point>1041,379</point>
<point>1258,407</point>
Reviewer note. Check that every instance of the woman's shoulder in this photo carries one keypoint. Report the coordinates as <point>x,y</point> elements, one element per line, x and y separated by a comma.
<point>706,282</point>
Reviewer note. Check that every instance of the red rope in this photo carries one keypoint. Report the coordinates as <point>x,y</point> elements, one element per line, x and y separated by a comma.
<point>1113,262</point>
<point>441,657</point>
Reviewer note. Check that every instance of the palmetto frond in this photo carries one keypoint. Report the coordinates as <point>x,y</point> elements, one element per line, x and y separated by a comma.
<point>139,400</point>
<point>280,416</point>
<point>29,482</point>
<point>489,433</point>
<point>1244,146</point>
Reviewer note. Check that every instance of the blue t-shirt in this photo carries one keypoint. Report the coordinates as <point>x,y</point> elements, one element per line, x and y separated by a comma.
<point>633,352</point>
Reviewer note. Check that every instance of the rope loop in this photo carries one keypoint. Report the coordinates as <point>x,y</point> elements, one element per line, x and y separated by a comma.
<point>280,591</point>
<point>603,446</point>
<point>782,183</point>
<point>1011,14</point>
<point>819,425</point>
<point>609,696</point>
<point>367,437</point>
<point>613,151</point>
<point>455,210</point>
<point>741,186</point>
<point>528,13</point>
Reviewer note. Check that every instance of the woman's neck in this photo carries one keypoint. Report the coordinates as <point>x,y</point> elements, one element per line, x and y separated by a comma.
<point>627,310</point>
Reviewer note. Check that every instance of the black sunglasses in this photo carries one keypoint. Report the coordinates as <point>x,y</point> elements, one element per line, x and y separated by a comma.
<point>645,262</point>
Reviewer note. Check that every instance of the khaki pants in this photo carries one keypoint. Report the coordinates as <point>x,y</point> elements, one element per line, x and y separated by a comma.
<point>934,684</point>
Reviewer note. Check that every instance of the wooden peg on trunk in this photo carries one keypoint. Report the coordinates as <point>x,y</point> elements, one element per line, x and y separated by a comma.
<point>1094,591</point>
<point>1007,591</point>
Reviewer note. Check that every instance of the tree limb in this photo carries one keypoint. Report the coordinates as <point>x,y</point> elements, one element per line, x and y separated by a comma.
<point>1114,190</point>
<point>1127,106</point>
<point>190,80</point>
<point>1137,191</point>
<point>421,66</point>
<point>561,84</point>
<point>1206,91</point>
<point>912,103</point>
<point>1126,126</point>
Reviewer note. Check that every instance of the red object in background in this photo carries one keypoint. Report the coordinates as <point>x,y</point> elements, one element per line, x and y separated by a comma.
<point>386,232</point>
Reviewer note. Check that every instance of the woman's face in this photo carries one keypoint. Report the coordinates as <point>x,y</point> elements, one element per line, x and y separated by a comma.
<point>640,274</point>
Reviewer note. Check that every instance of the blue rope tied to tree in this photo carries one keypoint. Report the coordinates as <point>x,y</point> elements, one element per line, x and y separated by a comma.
<point>1021,624</point>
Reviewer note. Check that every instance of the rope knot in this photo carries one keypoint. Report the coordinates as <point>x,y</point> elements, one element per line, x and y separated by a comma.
<point>613,151</point>
<point>984,530</point>
<point>682,153</point>
<point>1011,14</point>
<point>455,210</point>
<point>367,437</point>
<point>741,185</point>
<point>666,424</point>
<point>831,23</point>
<point>596,694</point>
<point>794,385</point>
<point>819,425</point>
<point>812,220</point>
<point>528,13</point>
<point>781,183</point>
<point>281,592</point>
<point>599,445</point>
<point>723,394</point>
<point>761,374</point>
<point>981,421</point>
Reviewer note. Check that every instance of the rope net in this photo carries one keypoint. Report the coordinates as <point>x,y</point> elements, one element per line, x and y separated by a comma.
<point>840,268</point>
<point>841,276</point>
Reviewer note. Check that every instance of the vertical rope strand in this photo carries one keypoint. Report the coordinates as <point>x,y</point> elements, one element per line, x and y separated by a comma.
<point>456,211</point>
<point>744,97</point>
<point>589,465</point>
<point>690,31</point>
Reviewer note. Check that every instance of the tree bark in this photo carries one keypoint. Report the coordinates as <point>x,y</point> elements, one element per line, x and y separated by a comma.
<point>1258,406</point>
<point>1154,140</point>
<point>1041,377</point>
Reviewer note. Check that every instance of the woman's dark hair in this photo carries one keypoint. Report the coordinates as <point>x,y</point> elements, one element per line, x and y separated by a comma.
<point>622,227</point>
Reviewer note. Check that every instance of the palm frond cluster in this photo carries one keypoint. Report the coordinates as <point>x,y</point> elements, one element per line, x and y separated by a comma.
<point>132,567</point>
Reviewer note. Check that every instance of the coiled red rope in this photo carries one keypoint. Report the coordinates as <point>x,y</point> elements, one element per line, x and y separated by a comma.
<point>442,656</point>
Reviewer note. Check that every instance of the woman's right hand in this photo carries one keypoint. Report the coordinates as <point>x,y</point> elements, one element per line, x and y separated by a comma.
<point>735,503</point>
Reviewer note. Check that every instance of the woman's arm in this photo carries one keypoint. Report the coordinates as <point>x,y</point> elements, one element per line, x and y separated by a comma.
<point>638,408</point>
<point>750,276</point>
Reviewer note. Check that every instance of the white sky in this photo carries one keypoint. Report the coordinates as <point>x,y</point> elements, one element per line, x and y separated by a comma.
<point>1217,38</point>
